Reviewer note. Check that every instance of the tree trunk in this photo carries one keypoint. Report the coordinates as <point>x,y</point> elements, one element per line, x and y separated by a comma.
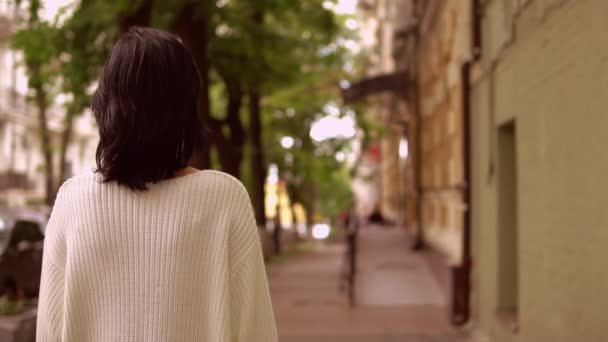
<point>66,138</point>
<point>45,144</point>
<point>194,33</point>
<point>229,146</point>
<point>201,158</point>
<point>139,16</point>
<point>258,169</point>
<point>310,209</point>
<point>231,153</point>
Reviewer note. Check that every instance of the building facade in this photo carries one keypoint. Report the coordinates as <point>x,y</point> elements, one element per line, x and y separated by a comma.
<point>444,46</point>
<point>419,47</point>
<point>378,20</point>
<point>539,127</point>
<point>505,118</point>
<point>414,83</point>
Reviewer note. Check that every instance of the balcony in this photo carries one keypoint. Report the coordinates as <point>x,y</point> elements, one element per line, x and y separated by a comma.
<point>5,27</point>
<point>15,180</point>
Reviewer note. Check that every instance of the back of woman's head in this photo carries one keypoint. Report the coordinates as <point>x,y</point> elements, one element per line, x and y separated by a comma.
<point>146,109</point>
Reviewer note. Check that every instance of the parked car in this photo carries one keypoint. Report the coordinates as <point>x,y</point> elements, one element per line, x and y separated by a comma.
<point>21,242</point>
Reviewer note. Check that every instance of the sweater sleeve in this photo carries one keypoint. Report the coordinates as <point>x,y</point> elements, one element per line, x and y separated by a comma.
<point>49,323</point>
<point>251,315</point>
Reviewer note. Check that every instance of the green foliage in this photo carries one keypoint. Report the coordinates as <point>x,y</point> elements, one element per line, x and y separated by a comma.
<point>313,175</point>
<point>333,189</point>
<point>10,306</point>
<point>84,41</point>
<point>291,51</point>
<point>262,41</point>
<point>69,53</point>
<point>33,42</point>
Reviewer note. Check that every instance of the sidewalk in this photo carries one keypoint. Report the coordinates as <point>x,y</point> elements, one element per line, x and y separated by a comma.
<point>401,295</point>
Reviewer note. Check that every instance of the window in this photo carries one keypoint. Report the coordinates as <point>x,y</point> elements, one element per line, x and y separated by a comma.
<point>508,253</point>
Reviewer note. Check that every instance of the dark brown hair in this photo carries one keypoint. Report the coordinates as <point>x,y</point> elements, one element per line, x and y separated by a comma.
<point>146,109</point>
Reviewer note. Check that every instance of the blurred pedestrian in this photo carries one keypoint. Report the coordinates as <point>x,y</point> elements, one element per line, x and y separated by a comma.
<point>147,248</point>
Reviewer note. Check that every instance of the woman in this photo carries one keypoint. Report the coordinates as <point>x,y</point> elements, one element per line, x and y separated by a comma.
<point>147,248</point>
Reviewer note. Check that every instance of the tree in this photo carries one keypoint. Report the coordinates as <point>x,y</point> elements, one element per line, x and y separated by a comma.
<point>255,49</point>
<point>286,37</point>
<point>33,41</point>
<point>82,46</point>
<point>272,55</point>
<point>314,177</point>
<point>60,58</point>
<point>191,21</point>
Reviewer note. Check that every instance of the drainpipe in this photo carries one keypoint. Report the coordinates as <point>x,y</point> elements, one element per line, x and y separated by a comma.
<point>461,275</point>
<point>419,237</point>
<point>461,282</point>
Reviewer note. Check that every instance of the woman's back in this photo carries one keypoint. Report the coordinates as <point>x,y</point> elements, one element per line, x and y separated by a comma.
<point>178,262</point>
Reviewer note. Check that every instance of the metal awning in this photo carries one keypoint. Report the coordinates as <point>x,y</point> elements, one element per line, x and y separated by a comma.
<point>395,82</point>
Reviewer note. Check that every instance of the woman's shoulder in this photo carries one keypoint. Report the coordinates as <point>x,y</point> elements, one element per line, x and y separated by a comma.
<point>71,191</point>
<point>77,181</point>
<point>227,189</point>
<point>225,180</point>
<point>219,183</point>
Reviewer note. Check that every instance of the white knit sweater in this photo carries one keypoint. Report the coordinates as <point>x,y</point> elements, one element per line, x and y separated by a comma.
<point>179,262</point>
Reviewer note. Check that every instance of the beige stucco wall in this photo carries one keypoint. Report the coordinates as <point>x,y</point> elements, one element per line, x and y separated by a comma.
<point>551,77</point>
